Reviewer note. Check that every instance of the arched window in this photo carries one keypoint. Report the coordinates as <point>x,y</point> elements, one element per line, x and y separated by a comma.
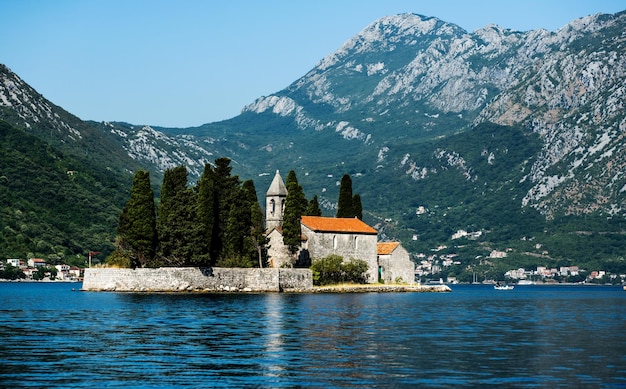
<point>356,242</point>
<point>272,206</point>
<point>335,242</point>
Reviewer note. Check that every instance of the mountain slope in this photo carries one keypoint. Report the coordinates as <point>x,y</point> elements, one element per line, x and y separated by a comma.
<point>406,79</point>
<point>517,136</point>
<point>51,207</point>
<point>396,103</point>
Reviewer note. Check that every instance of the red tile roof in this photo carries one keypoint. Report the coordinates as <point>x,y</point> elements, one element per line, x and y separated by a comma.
<point>336,224</point>
<point>386,248</point>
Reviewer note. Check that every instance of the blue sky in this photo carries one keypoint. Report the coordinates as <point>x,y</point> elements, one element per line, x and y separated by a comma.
<point>189,62</point>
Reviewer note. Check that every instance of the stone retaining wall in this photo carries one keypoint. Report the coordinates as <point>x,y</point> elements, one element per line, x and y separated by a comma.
<point>193,279</point>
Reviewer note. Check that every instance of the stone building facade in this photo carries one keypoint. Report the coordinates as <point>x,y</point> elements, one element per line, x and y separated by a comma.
<point>346,237</point>
<point>394,263</point>
<point>323,236</point>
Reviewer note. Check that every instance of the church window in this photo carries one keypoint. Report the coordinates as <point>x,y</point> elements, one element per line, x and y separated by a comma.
<point>356,242</point>
<point>273,206</point>
<point>335,242</point>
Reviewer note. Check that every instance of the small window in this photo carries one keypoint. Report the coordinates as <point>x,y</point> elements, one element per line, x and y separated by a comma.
<point>335,242</point>
<point>356,242</point>
<point>272,206</point>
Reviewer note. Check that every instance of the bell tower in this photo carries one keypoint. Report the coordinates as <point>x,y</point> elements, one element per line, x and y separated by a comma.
<point>275,203</point>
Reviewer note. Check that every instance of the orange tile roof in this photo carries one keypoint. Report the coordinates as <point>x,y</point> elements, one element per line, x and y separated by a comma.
<point>336,224</point>
<point>386,248</point>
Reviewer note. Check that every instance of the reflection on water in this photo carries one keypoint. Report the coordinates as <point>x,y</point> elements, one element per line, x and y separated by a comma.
<point>51,336</point>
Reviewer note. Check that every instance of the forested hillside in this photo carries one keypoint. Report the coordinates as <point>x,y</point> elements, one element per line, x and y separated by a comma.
<point>50,205</point>
<point>514,138</point>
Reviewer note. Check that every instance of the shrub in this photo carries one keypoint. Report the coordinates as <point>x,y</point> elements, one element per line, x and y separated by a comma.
<point>334,270</point>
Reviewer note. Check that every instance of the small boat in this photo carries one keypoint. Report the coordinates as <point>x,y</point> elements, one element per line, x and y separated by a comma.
<point>503,287</point>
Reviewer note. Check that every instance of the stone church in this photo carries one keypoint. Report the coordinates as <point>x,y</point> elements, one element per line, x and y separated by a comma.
<point>322,236</point>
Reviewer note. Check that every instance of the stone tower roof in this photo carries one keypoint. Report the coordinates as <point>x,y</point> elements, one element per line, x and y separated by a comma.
<point>277,187</point>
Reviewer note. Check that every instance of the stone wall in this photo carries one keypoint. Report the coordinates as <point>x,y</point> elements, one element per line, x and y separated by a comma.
<point>346,245</point>
<point>191,279</point>
<point>397,267</point>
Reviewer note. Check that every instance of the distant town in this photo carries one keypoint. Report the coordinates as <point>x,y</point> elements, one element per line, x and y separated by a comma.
<point>37,269</point>
<point>435,265</point>
<point>427,268</point>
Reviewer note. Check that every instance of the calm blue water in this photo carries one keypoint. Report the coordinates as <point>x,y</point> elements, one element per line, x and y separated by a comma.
<point>533,336</point>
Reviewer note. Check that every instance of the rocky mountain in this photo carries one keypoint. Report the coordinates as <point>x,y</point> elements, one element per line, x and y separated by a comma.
<point>514,136</point>
<point>410,76</point>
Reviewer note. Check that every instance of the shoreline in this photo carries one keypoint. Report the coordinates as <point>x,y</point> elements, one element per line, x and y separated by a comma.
<point>380,288</point>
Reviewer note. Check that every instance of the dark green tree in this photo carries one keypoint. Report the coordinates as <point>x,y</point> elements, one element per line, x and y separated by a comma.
<point>206,213</point>
<point>136,232</point>
<point>178,235</point>
<point>44,271</point>
<point>295,205</point>
<point>357,207</point>
<point>225,187</point>
<point>344,205</point>
<point>237,232</point>
<point>313,208</point>
<point>258,238</point>
<point>256,244</point>
<point>11,272</point>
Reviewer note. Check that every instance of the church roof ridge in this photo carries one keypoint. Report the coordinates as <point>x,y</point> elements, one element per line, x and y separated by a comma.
<point>337,224</point>
<point>277,187</point>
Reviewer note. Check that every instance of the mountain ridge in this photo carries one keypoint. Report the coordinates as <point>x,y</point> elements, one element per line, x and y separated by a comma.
<point>541,113</point>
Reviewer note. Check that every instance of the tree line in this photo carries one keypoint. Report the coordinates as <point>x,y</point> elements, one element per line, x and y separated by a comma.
<point>217,222</point>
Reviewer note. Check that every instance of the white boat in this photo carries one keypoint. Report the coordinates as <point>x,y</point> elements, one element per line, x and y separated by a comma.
<point>503,287</point>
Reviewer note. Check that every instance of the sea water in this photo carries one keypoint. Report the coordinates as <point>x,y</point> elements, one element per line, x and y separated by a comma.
<point>53,335</point>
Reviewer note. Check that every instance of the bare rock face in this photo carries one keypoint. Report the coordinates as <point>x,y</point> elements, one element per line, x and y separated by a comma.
<point>566,86</point>
<point>408,77</point>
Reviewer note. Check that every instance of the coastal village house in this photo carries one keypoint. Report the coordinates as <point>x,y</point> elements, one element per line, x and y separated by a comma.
<point>346,237</point>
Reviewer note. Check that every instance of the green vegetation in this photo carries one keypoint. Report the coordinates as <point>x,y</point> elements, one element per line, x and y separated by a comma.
<point>136,232</point>
<point>348,205</point>
<point>45,271</point>
<point>217,222</point>
<point>11,272</point>
<point>53,205</point>
<point>176,222</point>
<point>334,270</point>
<point>313,208</point>
<point>295,205</point>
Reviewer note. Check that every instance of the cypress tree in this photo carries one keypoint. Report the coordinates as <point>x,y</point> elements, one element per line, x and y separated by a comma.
<point>136,232</point>
<point>357,207</point>
<point>344,205</point>
<point>295,205</point>
<point>256,243</point>
<point>225,187</point>
<point>206,216</point>
<point>237,232</point>
<point>176,218</point>
<point>258,238</point>
<point>313,208</point>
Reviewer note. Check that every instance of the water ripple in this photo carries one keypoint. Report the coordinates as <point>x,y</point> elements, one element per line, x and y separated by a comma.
<point>535,336</point>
